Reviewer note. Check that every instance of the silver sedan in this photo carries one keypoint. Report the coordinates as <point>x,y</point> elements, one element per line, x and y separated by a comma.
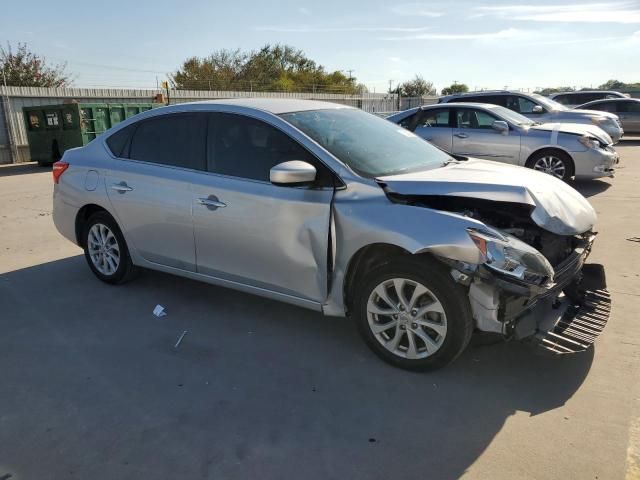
<point>333,209</point>
<point>496,133</point>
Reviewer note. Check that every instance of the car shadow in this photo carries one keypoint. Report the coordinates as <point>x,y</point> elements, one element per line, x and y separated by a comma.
<point>589,188</point>
<point>93,381</point>
<point>13,169</point>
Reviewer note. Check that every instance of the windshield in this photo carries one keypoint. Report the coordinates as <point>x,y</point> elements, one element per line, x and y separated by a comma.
<point>548,103</point>
<point>511,116</point>
<point>371,146</point>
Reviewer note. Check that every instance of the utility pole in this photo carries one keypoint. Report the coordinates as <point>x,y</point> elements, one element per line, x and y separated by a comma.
<point>350,72</point>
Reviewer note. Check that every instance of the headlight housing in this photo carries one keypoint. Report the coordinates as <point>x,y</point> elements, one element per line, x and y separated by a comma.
<point>589,142</point>
<point>507,255</point>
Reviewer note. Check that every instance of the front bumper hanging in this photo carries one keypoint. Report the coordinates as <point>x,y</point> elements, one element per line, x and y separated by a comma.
<point>580,325</point>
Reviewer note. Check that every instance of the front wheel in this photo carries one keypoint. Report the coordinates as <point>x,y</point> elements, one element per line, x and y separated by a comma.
<point>413,315</point>
<point>558,164</point>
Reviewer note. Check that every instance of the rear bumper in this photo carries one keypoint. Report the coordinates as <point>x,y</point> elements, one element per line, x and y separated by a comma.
<point>64,216</point>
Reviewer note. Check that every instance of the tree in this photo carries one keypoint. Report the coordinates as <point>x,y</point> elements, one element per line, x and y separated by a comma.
<point>455,88</point>
<point>23,68</point>
<point>271,68</point>
<point>550,90</point>
<point>417,87</point>
<point>618,85</point>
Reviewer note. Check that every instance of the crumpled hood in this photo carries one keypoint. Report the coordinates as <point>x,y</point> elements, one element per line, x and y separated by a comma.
<point>577,129</point>
<point>557,207</point>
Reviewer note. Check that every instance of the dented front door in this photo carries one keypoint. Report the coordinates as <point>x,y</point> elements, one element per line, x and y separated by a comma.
<point>263,235</point>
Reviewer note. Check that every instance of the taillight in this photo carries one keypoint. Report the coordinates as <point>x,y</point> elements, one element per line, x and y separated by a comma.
<point>58,170</point>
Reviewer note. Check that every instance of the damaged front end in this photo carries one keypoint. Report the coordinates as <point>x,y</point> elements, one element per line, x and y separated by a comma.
<point>531,283</point>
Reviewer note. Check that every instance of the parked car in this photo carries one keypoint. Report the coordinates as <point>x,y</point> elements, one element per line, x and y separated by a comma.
<point>572,99</point>
<point>496,133</point>
<point>333,209</point>
<point>542,109</point>
<point>627,109</point>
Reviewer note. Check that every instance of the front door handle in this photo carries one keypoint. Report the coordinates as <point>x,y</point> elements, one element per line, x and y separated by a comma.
<point>121,187</point>
<point>211,202</point>
<point>462,135</point>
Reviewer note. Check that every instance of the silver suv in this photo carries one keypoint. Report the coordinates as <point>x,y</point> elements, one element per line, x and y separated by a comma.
<point>339,211</point>
<point>542,109</point>
<point>573,99</point>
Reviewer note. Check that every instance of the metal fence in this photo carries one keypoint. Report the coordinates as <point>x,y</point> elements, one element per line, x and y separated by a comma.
<point>13,138</point>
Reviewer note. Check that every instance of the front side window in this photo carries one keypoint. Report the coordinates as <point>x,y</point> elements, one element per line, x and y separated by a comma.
<point>434,118</point>
<point>563,99</point>
<point>604,107</point>
<point>369,145</point>
<point>520,104</point>
<point>177,139</point>
<point>476,119</point>
<point>629,106</point>
<point>244,147</point>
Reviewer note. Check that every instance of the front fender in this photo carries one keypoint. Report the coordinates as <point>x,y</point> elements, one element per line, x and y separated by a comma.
<point>364,216</point>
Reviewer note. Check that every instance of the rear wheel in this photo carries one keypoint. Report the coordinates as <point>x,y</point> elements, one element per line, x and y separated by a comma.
<point>413,315</point>
<point>555,163</point>
<point>106,251</point>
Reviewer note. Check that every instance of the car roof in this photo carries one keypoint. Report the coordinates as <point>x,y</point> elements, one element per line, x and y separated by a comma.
<point>584,91</point>
<point>275,106</point>
<point>463,104</point>
<point>619,99</point>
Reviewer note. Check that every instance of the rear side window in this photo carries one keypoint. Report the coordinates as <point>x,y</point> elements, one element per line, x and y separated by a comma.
<point>118,143</point>
<point>434,118</point>
<point>177,139</point>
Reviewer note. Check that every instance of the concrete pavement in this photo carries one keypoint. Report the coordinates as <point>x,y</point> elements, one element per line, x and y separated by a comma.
<point>93,388</point>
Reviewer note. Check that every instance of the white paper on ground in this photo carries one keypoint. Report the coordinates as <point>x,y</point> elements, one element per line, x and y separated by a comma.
<point>159,311</point>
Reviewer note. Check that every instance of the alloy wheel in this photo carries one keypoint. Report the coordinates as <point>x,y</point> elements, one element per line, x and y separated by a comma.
<point>103,248</point>
<point>552,165</point>
<point>406,318</point>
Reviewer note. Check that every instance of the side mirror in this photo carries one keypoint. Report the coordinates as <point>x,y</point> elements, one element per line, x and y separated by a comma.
<point>537,109</point>
<point>294,172</point>
<point>501,126</point>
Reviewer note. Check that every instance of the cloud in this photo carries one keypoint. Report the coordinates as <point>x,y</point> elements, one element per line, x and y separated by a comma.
<point>610,12</point>
<point>415,10</point>
<point>304,11</point>
<point>508,33</point>
<point>320,29</point>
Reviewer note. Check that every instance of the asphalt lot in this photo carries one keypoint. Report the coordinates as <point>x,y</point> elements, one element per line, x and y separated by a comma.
<point>92,387</point>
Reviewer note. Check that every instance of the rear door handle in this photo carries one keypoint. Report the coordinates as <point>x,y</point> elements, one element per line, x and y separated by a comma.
<point>462,135</point>
<point>121,187</point>
<point>212,202</point>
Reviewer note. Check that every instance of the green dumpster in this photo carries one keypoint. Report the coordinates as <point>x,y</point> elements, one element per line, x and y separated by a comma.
<point>52,129</point>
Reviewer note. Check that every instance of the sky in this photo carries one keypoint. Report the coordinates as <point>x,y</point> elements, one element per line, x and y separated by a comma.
<point>485,44</point>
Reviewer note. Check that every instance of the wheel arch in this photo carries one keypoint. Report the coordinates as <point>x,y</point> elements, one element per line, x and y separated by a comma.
<point>369,257</point>
<point>83,216</point>
<point>551,149</point>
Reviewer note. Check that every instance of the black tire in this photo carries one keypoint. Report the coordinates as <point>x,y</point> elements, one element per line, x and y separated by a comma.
<point>43,163</point>
<point>557,155</point>
<point>451,295</point>
<point>125,270</point>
